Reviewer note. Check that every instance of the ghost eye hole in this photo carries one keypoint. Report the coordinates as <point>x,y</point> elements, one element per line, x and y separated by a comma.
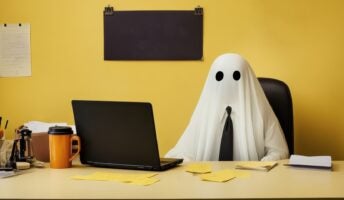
<point>236,75</point>
<point>219,76</point>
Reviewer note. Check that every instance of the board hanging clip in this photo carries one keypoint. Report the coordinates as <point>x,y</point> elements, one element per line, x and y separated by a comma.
<point>198,10</point>
<point>108,10</point>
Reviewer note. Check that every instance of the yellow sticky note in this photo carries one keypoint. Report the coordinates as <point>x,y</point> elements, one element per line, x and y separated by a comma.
<point>199,168</point>
<point>110,176</point>
<point>219,176</point>
<point>138,179</point>
<point>148,175</point>
<point>144,181</point>
<point>79,177</point>
<point>125,178</point>
<point>241,174</point>
<point>256,165</point>
<point>94,177</point>
<point>130,177</point>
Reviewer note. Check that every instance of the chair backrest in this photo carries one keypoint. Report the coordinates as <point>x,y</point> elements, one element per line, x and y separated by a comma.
<point>279,97</point>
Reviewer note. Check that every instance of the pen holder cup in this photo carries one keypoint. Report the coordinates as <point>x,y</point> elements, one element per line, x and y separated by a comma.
<point>61,140</point>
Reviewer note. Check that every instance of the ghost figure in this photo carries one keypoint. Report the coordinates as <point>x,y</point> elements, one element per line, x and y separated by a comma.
<point>257,132</point>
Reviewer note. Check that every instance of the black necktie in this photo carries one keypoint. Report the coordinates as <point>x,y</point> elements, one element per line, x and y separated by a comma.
<point>226,148</point>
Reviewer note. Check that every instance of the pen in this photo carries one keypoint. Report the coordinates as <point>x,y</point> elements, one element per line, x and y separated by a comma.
<point>6,124</point>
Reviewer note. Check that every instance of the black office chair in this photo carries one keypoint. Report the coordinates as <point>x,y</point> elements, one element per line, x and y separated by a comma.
<point>279,97</point>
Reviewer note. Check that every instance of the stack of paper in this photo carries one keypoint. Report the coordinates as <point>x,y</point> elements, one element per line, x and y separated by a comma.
<point>256,165</point>
<point>43,127</point>
<point>311,161</point>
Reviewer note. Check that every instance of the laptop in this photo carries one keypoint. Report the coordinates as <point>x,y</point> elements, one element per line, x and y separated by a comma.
<point>119,135</point>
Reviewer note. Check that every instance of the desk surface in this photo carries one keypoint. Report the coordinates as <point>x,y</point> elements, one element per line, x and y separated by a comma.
<point>280,182</point>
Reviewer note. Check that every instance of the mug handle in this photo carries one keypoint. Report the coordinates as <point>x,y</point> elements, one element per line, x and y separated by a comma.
<point>74,138</point>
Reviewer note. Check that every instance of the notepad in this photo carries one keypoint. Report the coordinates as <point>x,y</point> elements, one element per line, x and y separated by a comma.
<point>256,165</point>
<point>310,161</point>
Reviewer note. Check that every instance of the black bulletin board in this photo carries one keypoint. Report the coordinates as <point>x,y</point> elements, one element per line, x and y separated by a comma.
<point>153,35</point>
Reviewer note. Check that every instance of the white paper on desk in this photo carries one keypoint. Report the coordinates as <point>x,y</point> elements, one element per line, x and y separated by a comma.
<point>6,174</point>
<point>39,127</point>
<point>15,56</point>
<point>311,161</point>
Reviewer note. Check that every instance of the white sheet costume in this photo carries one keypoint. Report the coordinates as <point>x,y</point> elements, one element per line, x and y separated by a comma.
<point>257,132</point>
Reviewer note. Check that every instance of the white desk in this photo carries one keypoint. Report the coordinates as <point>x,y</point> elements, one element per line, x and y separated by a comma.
<point>280,182</point>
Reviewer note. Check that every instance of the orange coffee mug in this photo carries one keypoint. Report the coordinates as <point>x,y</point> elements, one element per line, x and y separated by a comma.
<point>60,146</point>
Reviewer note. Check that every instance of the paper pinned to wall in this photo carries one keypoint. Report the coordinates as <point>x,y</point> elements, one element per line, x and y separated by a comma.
<point>15,56</point>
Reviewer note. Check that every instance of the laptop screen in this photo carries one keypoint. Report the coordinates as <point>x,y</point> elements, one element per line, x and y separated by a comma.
<point>116,133</point>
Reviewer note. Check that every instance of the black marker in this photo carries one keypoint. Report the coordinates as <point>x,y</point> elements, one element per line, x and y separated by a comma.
<point>6,124</point>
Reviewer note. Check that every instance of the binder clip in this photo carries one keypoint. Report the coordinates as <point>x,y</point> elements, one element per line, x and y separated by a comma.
<point>198,10</point>
<point>108,10</point>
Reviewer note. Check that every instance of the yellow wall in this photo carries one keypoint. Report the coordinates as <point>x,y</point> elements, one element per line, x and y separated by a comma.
<point>298,41</point>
